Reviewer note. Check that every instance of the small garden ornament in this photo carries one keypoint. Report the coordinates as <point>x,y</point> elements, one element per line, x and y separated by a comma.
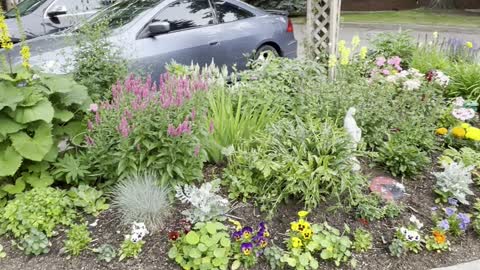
<point>355,133</point>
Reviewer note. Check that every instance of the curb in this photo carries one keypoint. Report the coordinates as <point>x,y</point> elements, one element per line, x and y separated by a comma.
<point>419,27</point>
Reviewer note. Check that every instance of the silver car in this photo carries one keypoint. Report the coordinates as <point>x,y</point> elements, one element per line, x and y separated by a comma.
<point>151,33</point>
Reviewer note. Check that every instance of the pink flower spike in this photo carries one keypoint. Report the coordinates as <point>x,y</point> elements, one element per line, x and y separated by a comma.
<point>93,107</point>
<point>395,61</point>
<point>196,152</point>
<point>89,125</point>
<point>380,61</point>
<point>98,120</point>
<point>123,128</point>
<point>89,140</point>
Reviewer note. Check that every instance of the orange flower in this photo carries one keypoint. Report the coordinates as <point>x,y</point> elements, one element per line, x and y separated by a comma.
<point>440,237</point>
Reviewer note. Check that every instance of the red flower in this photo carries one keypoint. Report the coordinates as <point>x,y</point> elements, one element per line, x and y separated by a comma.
<point>363,221</point>
<point>173,235</point>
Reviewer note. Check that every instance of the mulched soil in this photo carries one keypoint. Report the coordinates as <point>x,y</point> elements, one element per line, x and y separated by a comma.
<point>419,200</point>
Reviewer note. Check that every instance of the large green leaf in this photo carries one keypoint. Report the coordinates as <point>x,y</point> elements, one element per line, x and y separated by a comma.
<point>38,180</point>
<point>33,148</point>
<point>79,97</point>
<point>60,83</point>
<point>63,115</point>
<point>10,95</point>
<point>7,125</point>
<point>10,160</point>
<point>15,189</point>
<point>43,110</point>
<point>32,96</point>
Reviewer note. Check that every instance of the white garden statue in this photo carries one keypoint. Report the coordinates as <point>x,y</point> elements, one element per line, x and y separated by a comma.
<point>355,133</point>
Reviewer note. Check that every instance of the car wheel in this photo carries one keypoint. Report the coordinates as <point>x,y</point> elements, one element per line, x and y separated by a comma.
<point>265,52</point>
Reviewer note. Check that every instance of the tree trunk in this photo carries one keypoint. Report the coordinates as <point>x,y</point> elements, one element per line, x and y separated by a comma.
<point>443,4</point>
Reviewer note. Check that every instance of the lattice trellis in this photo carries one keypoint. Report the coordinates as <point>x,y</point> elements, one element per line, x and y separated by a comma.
<point>323,23</point>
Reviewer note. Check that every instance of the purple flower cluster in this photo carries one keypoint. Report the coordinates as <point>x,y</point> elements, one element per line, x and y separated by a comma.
<point>249,243</point>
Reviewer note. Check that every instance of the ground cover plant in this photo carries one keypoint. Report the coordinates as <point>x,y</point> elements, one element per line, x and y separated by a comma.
<point>267,168</point>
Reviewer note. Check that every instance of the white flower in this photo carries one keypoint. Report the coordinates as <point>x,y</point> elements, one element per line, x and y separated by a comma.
<point>391,78</point>
<point>412,84</point>
<point>416,222</point>
<point>139,231</point>
<point>459,102</point>
<point>442,79</point>
<point>410,235</point>
<point>463,114</point>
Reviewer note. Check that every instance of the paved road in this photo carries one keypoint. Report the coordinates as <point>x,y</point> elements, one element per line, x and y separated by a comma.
<point>475,265</point>
<point>365,32</point>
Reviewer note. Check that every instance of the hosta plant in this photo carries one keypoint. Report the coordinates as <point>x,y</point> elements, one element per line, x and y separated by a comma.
<point>454,182</point>
<point>205,204</point>
<point>207,246</point>
<point>78,239</point>
<point>150,126</point>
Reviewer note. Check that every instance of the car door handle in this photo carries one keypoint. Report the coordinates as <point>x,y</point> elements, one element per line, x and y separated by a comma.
<point>213,43</point>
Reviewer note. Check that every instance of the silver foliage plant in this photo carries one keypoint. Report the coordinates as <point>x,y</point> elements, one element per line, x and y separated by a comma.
<point>138,198</point>
<point>205,204</point>
<point>455,181</point>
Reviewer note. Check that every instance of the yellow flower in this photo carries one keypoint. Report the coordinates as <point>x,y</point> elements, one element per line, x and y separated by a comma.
<point>25,53</point>
<point>469,44</point>
<point>345,56</point>
<point>303,214</point>
<point>5,41</point>
<point>473,134</point>
<point>294,226</point>
<point>355,41</point>
<point>341,45</point>
<point>302,225</point>
<point>435,35</point>
<point>332,61</point>
<point>458,132</point>
<point>307,234</point>
<point>465,125</point>
<point>296,242</point>
<point>441,131</point>
<point>363,53</point>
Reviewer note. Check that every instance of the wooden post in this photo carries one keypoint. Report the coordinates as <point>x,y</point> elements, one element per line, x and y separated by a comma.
<point>323,25</point>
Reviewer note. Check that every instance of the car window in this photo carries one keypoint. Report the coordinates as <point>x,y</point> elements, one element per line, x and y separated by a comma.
<point>228,12</point>
<point>186,14</point>
<point>25,7</point>
<point>78,6</point>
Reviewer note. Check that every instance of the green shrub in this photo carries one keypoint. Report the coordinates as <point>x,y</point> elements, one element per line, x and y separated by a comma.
<point>429,58</point>
<point>310,160</point>
<point>399,44</point>
<point>72,170</point>
<point>39,209</point>
<point>139,199</point>
<point>464,81</point>
<point>150,127</point>
<point>78,239</point>
<point>98,64</point>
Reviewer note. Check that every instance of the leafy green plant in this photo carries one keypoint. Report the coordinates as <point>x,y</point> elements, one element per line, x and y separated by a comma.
<point>88,198</point>
<point>464,81</point>
<point>78,239</point>
<point>273,254</point>
<point>40,209</point>
<point>335,245</point>
<point>402,159</point>
<point>234,119</point>
<point>130,249</point>
<point>35,243</point>
<point>397,248</point>
<point>98,64</point>
<point>371,207</point>
<point>454,182</point>
<point>207,246</point>
<point>139,198</point>
<point>399,44</point>
<point>362,240</point>
<point>309,160</point>
<point>34,112</point>
<point>71,170</point>
<point>105,252</point>
<point>149,127</point>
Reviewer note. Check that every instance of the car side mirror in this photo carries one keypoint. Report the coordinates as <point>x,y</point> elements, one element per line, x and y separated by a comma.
<point>57,11</point>
<point>157,28</point>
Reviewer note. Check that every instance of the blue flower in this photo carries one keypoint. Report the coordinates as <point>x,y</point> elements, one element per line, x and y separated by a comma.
<point>444,225</point>
<point>434,208</point>
<point>449,211</point>
<point>464,221</point>
<point>453,201</point>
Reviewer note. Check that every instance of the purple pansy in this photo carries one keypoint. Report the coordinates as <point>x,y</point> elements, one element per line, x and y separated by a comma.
<point>449,211</point>
<point>247,232</point>
<point>453,201</point>
<point>237,235</point>
<point>246,248</point>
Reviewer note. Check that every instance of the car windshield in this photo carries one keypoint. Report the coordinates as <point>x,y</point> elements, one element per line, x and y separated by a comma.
<point>25,7</point>
<point>123,12</point>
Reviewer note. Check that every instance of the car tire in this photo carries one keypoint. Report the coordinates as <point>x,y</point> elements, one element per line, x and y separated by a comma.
<point>266,51</point>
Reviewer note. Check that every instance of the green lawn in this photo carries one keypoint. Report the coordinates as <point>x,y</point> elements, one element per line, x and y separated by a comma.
<point>418,16</point>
